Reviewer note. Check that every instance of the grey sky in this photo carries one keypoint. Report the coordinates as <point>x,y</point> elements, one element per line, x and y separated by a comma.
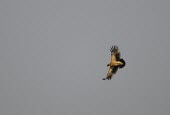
<point>53,55</point>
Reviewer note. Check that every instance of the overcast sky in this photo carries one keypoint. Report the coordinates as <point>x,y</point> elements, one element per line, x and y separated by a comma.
<point>53,56</point>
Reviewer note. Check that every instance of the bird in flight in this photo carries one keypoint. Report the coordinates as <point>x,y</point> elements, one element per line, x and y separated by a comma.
<point>116,62</point>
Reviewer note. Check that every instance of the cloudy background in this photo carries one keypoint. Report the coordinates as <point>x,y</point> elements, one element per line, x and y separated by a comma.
<point>53,55</point>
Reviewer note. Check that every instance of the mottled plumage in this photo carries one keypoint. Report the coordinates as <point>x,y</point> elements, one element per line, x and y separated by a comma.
<point>116,62</point>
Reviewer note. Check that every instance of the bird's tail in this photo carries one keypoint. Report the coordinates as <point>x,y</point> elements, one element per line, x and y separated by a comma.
<point>124,63</point>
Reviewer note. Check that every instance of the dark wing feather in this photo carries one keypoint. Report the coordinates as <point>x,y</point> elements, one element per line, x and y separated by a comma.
<point>115,51</point>
<point>114,69</point>
<point>111,72</point>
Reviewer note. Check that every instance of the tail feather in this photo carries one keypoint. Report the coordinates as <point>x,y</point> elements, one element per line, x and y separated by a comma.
<point>124,63</point>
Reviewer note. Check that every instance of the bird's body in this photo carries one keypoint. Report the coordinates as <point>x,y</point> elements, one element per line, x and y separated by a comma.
<point>115,63</point>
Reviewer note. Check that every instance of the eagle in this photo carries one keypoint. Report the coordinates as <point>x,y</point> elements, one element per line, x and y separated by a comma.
<point>116,62</point>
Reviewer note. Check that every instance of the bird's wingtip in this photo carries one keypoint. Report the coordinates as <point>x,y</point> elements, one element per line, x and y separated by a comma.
<point>104,79</point>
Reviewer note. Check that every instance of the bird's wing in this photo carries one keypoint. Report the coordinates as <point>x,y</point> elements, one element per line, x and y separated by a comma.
<point>115,53</point>
<point>111,72</point>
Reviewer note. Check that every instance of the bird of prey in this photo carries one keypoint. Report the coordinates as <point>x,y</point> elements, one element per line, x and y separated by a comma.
<point>116,62</point>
